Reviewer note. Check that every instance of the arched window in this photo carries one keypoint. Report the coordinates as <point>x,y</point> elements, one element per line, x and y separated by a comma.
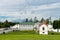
<point>43,28</point>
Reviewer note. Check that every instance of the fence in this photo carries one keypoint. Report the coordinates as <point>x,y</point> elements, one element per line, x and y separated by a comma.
<point>6,31</point>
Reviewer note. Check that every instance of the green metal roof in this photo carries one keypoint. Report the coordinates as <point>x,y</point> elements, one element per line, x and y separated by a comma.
<point>27,23</point>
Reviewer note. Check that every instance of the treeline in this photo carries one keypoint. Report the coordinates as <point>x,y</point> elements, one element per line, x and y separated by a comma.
<point>35,20</point>
<point>32,20</point>
<point>55,23</point>
<point>7,24</point>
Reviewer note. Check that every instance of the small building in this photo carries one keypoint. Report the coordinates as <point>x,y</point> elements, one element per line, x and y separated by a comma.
<point>23,26</point>
<point>42,27</point>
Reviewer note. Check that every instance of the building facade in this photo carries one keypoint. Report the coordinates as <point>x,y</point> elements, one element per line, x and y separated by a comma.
<point>40,27</point>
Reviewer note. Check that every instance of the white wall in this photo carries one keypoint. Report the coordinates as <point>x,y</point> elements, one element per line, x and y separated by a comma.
<point>23,27</point>
<point>59,30</point>
<point>30,27</point>
<point>26,27</point>
<point>54,30</point>
<point>45,29</point>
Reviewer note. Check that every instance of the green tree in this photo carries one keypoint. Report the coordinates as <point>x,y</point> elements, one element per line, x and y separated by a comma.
<point>6,24</point>
<point>47,21</point>
<point>1,25</point>
<point>31,20</point>
<point>26,19</point>
<point>56,25</point>
<point>35,20</point>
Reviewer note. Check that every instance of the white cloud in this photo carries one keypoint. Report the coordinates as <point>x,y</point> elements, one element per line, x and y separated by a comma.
<point>24,11</point>
<point>11,2</point>
<point>45,7</point>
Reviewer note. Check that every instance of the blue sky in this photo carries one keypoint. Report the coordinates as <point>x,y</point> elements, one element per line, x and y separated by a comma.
<point>21,9</point>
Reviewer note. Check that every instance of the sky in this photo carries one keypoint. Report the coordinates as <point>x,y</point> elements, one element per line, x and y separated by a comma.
<point>20,9</point>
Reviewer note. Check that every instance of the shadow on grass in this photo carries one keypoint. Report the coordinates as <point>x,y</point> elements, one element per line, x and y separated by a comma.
<point>27,33</point>
<point>20,33</point>
<point>54,33</point>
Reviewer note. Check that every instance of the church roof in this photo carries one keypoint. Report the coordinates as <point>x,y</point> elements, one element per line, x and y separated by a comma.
<point>43,22</point>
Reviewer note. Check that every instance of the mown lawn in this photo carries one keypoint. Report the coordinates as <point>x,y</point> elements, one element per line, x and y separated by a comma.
<point>27,35</point>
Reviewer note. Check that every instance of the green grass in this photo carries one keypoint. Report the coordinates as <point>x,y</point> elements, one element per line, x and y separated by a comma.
<point>27,35</point>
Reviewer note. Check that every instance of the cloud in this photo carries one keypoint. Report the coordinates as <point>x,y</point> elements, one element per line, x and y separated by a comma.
<point>11,2</point>
<point>45,7</point>
<point>41,2</point>
<point>21,9</point>
<point>21,5</point>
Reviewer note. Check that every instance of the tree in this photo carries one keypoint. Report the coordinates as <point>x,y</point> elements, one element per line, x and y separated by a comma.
<point>6,23</point>
<point>13,23</point>
<point>1,25</point>
<point>47,21</point>
<point>31,20</point>
<point>26,19</point>
<point>35,19</point>
<point>56,25</point>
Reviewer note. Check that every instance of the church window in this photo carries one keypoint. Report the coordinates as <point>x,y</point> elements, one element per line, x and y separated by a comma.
<point>43,28</point>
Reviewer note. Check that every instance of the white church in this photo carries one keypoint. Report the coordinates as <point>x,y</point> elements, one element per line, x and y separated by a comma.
<point>41,27</point>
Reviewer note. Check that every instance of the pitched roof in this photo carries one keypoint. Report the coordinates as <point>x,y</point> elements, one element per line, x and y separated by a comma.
<point>43,22</point>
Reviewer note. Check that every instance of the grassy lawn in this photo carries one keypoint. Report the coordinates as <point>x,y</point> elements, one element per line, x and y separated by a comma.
<point>27,35</point>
